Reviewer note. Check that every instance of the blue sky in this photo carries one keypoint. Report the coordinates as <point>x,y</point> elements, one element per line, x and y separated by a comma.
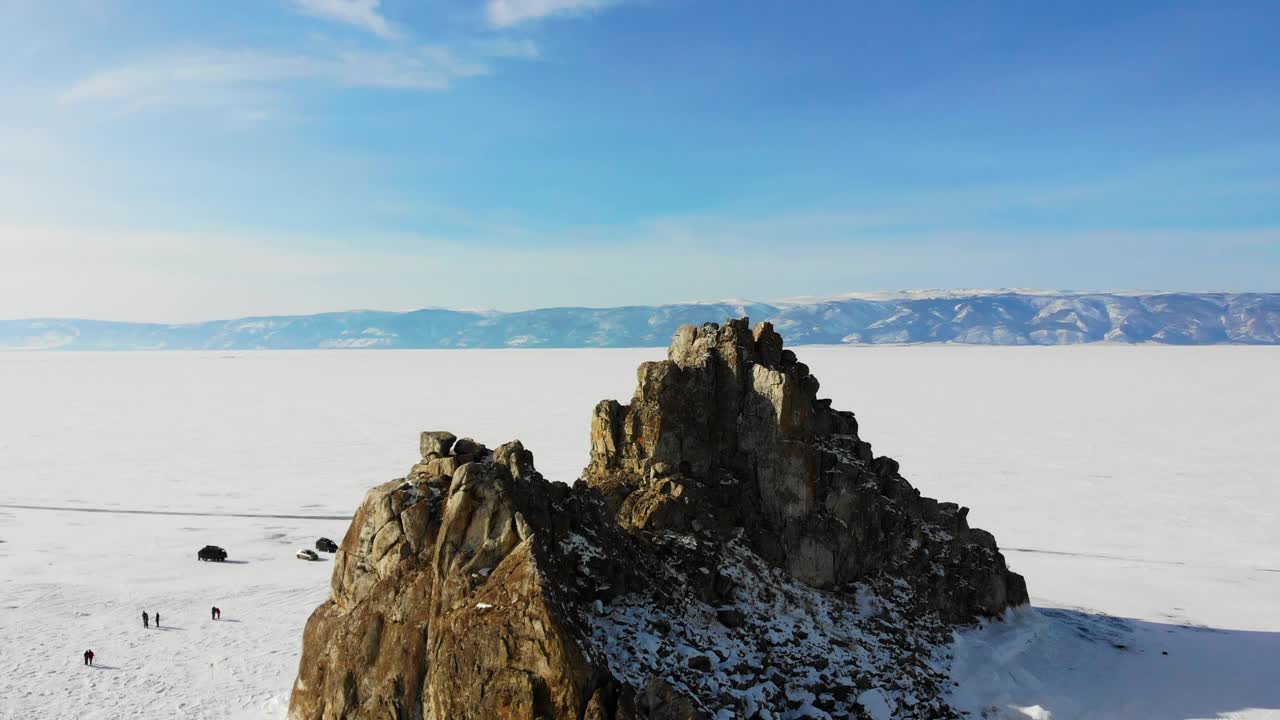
<point>191,160</point>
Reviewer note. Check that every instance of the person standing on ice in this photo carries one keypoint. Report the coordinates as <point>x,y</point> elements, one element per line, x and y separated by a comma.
<point>88,657</point>
<point>145,619</point>
<point>215,613</point>
<point>157,619</point>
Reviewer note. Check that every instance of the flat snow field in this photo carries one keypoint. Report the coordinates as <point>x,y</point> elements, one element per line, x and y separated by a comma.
<point>1137,488</point>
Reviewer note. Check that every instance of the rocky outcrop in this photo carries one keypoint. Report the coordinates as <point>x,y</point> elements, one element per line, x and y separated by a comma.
<point>733,549</point>
<point>445,603</point>
<point>729,432</point>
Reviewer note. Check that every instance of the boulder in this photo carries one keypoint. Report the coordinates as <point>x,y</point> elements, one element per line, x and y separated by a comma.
<point>467,446</point>
<point>436,444</point>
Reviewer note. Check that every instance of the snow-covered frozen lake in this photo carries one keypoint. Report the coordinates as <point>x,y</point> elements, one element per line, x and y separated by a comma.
<point>1136,488</point>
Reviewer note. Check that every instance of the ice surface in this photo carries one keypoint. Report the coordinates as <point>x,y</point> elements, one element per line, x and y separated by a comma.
<point>1136,487</point>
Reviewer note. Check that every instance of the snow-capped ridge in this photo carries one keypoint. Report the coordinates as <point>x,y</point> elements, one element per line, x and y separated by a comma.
<point>977,317</point>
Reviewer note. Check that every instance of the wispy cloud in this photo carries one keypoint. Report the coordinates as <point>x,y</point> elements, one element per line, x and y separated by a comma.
<point>217,77</point>
<point>363,14</point>
<point>507,13</point>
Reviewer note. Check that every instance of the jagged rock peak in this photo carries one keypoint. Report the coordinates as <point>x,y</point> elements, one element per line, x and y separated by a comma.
<point>729,433</point>
<point>439,606</point>
<point>733,549</point>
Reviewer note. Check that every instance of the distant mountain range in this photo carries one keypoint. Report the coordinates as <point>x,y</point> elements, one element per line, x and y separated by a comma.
<point>978,317</point>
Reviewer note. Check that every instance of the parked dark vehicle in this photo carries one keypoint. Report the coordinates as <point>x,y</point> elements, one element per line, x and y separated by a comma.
<point>212,553</point>
<point>324,544</point>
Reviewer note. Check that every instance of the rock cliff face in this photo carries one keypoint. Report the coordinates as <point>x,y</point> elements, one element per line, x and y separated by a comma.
<point>734,549</point>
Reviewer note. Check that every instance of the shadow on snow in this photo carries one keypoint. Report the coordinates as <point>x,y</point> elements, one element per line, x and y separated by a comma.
<point>1077,664</point>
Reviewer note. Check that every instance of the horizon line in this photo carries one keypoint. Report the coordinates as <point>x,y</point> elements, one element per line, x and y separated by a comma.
<point>868,296</point>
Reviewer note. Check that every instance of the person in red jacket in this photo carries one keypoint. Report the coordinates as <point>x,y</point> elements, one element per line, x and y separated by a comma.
<point>88,657</point>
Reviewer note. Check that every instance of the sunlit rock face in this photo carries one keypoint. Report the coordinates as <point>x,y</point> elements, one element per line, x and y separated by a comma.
<point>729,433</point>
<point>733,549</point>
